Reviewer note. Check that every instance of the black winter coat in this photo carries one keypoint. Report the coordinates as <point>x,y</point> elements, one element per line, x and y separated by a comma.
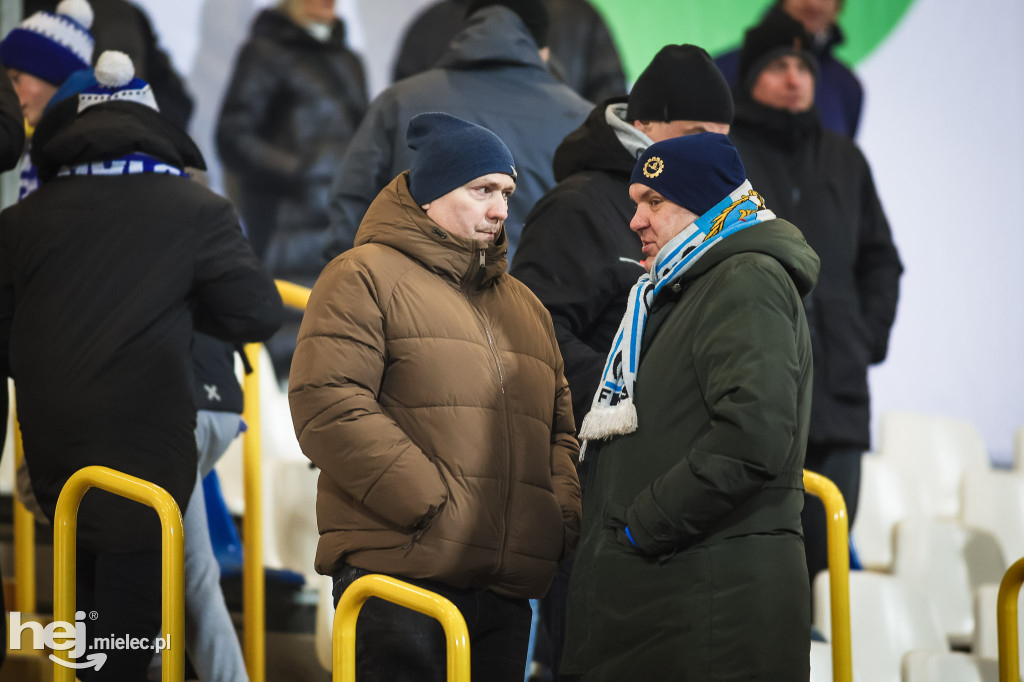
<point>583,53</point>
<point>102,279</point>
<point>577,253</point>
<point>291,108</point>
<point>12,142</point>
<point>713,584</point>
<point>820,180</point>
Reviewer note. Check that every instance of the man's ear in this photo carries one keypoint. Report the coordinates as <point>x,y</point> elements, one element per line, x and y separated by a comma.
<point>642,126</point>
<point>426,206</point>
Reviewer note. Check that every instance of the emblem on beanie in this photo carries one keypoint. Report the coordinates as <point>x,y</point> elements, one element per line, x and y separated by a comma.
<point>653,167</point>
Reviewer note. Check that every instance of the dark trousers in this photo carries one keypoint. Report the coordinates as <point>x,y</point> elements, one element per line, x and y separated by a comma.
<point>841,465</point>
<point>124,592</point>
<point>396,644</point>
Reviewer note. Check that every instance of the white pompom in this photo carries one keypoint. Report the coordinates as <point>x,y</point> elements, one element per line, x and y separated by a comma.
<point>114,69</point>
<point>79,10</point>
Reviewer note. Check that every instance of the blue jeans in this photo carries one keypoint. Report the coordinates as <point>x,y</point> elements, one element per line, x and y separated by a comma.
<point>396,644</point>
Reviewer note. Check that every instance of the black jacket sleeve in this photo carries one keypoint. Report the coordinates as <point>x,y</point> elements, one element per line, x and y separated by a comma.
<point>878,268</point>
<point>569,258</point>
<point>12,124</point>
<point>236,299</point>
<point>247,111</point>
<point>364,171</point>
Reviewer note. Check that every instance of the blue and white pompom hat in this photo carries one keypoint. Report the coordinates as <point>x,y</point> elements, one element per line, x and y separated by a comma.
<point>51,45</point>
<point>113,80</point>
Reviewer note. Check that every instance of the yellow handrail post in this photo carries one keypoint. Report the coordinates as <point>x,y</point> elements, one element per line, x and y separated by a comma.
<point>253,587</point>
<point>24,535</point>
<point>411,597</point>
<point>838,534</point>
<point>253,579</point>
<point>1007,624</point>
<point>173,560</point>
<point>293,295</point>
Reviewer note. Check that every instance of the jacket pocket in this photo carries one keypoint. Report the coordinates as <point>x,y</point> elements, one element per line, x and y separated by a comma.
<point>847,349</point>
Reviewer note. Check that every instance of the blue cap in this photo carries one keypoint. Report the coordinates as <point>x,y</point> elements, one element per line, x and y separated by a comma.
<point>451,152</point>
<point>693,171</point>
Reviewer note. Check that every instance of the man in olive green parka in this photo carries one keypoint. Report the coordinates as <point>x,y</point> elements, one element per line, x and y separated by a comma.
<point>691,560</point>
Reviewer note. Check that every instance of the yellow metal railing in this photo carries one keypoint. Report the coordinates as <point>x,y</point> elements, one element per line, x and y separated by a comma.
<point>411,597</point>
<point>24,536</point>
<point>1007,624</point>
<point>65,559</point>
<point>838,571</point>
<point>253,582</point>
<point>253,587</point>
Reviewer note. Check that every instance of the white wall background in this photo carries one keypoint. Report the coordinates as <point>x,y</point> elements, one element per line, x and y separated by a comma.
<point>941,129</point>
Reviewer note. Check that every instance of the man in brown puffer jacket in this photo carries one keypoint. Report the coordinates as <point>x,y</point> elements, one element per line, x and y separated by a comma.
<point>427,386</point>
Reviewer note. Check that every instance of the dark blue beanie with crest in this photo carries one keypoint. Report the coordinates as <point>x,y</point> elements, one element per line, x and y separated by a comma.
<point>451,152</point>
<point>693,171</point>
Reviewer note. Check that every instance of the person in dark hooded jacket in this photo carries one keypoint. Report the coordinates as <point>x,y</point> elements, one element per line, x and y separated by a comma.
<point>691,563</point>
<point>494,76</point>
<point>820,180</point>
<point>839,96</point>
<point>104,273</point>
<point>577,254</point>
<point>583,54</point>
<point>295,100</point>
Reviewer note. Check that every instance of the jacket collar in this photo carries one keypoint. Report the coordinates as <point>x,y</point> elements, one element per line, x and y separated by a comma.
<point>394,219</point>
<point>107,131</point>
<point>493,35</point>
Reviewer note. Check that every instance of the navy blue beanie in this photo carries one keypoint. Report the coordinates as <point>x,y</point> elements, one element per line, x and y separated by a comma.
<point>451,152</point>
<point>693,171</point>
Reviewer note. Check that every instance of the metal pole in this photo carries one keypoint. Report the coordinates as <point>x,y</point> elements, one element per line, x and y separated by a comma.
<point>173,568</point>
<point>838,571</point>
<point>411,597</point>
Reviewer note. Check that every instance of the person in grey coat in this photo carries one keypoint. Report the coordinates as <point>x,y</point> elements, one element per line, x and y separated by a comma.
<point>493,76</point>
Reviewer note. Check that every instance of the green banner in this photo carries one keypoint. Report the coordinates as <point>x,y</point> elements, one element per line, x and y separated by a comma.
<point>642,27</point>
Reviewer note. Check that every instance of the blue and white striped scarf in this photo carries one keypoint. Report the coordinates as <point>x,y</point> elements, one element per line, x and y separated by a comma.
<point>612,412</point>
<point>129,164</point>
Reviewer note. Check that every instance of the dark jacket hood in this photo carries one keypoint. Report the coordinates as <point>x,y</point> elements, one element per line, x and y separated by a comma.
<point>593,146</point>
<point>494,35</point>
<point>395,219</point>
<point>106,131</point>
<point>820,49</point>
<point>275,25</point>
<point>776,238</point>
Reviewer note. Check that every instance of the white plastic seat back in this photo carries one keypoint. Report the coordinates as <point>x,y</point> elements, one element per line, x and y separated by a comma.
<point>888,618</point>
<point>1018,449</point>
<point>293,485</point>
<point>994,501</point>
<point>930,666</point>
<point>986,637</point>
<point>325,622</point>
<point>821,662</point>
<point>7,447</point>
<point>887,496</point>
<point>948,561</point>
<point>936,450</point>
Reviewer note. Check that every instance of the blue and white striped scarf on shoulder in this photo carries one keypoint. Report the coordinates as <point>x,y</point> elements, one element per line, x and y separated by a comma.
<point>129,164</point>
<point>612,412</point>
